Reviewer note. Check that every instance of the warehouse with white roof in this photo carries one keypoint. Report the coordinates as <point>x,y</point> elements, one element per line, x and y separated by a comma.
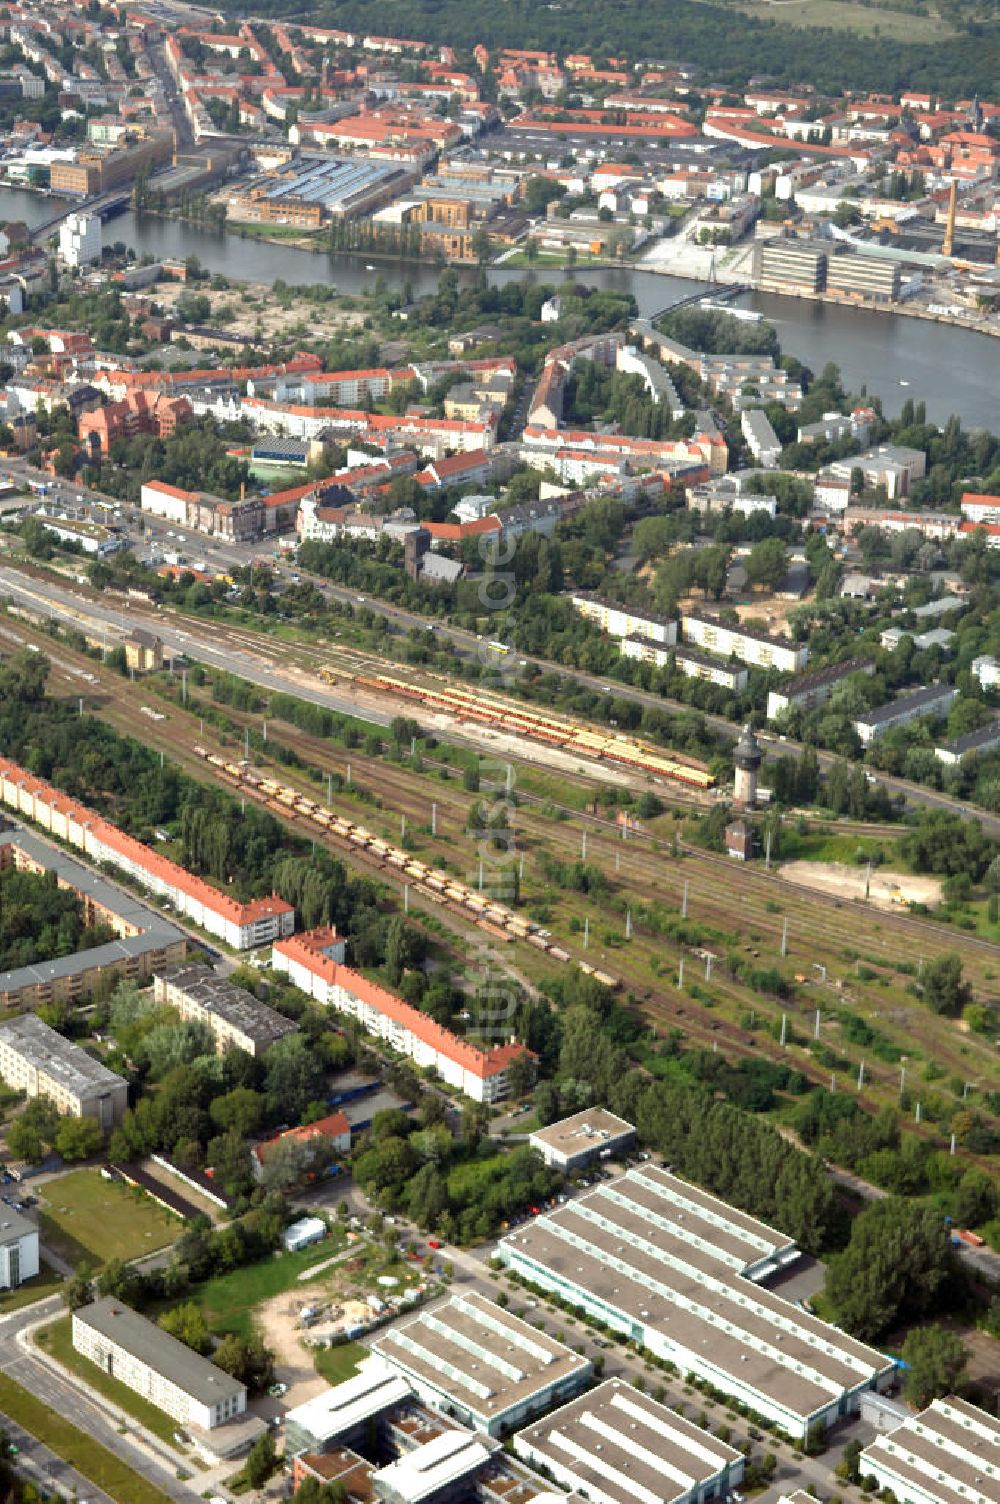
<point>948,1454</point>
<point>439,1470</point>
<point>678,1271</point>
<point>618,1446</point>
<point>479,1364</point>
<point>342,1413</point>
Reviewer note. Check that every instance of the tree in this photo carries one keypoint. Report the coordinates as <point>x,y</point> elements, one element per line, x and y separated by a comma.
<point>945,990</point>
<point>240,1111</point>
<point>78,1290</point>
<point>894,1266</point>
<point>247,1361</point>
<point>116,1279</point>
<point>936,1359</point>
<point>294,1076</point>
<point>25,1141</point>
<point>79,1138</point>
<point>187,1323</point>
<point>261,1461</point>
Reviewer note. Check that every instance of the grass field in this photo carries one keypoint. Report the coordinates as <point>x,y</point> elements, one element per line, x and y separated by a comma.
<point>335,1364</point>
<point>86,1219</point>
<point>96,1463</point>
<point>46,1282</point>
<point>228,1300</point>
<point>843,15</point>
<point>57,1340</point>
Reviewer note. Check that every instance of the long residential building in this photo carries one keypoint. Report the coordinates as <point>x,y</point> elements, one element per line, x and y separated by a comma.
<point>480,1073</point>
<point>809,690</point>
<point>694,664</point>
<point>241,925</point>
<point>947,1454</point>
<point>155,1365</point>
<point>619,1446</point>
<point>680,1273</point>
<point>745,643</point>
<point>144,939</point>
<point>623,621</point>
<point>235,1017</point>
<point>932,700</point>
<point>37,1060</point>
<point>477,1362</point>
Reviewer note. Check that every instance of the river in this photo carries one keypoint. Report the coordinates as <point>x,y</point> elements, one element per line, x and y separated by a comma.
<point>895,357</point>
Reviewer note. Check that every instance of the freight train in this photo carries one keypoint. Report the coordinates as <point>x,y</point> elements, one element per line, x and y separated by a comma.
<point>442,888</point>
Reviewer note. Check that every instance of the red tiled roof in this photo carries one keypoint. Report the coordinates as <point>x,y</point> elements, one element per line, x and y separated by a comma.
<point>307,950</point>
<point>134,851</point>
<point>335,1125</point>
<point>168,490</point>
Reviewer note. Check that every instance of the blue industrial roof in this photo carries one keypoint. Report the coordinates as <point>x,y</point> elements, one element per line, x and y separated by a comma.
<point>329,181</point>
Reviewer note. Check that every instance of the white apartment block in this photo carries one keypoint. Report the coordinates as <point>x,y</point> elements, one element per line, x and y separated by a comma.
<point>810,690</point>
<point>80,239</point>
<point>948,1454</point>
<point>933,700</point>
<point>41,1063</point>
<point>18,1249</point>
<point>645,650</point>
<point>681,1273</point>
<point>694,664</point>
<point>151,1363</point>
<point>749,646</point>
<point>477,1072</point>
<point>762,441</point>
<point>623,621</point>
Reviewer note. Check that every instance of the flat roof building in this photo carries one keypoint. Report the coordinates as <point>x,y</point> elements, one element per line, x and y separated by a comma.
<point>574,1141</point>
<point>235,1016</point>
<point>948,1454</point>
<point>792,266</point>
<point>343,1412</point>
<point>441,1469</point>
<point>41,1063</point>
<point>861,276</point>
<point>678,1271</point>
<point>477,1362</point>
<point>152,1363</point>
<point>618,1446</point>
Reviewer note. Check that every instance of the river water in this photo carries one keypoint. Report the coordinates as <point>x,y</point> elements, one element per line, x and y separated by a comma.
<point>895,357</point>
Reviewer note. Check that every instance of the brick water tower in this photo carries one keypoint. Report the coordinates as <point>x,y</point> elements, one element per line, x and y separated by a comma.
<point>747,760</point>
